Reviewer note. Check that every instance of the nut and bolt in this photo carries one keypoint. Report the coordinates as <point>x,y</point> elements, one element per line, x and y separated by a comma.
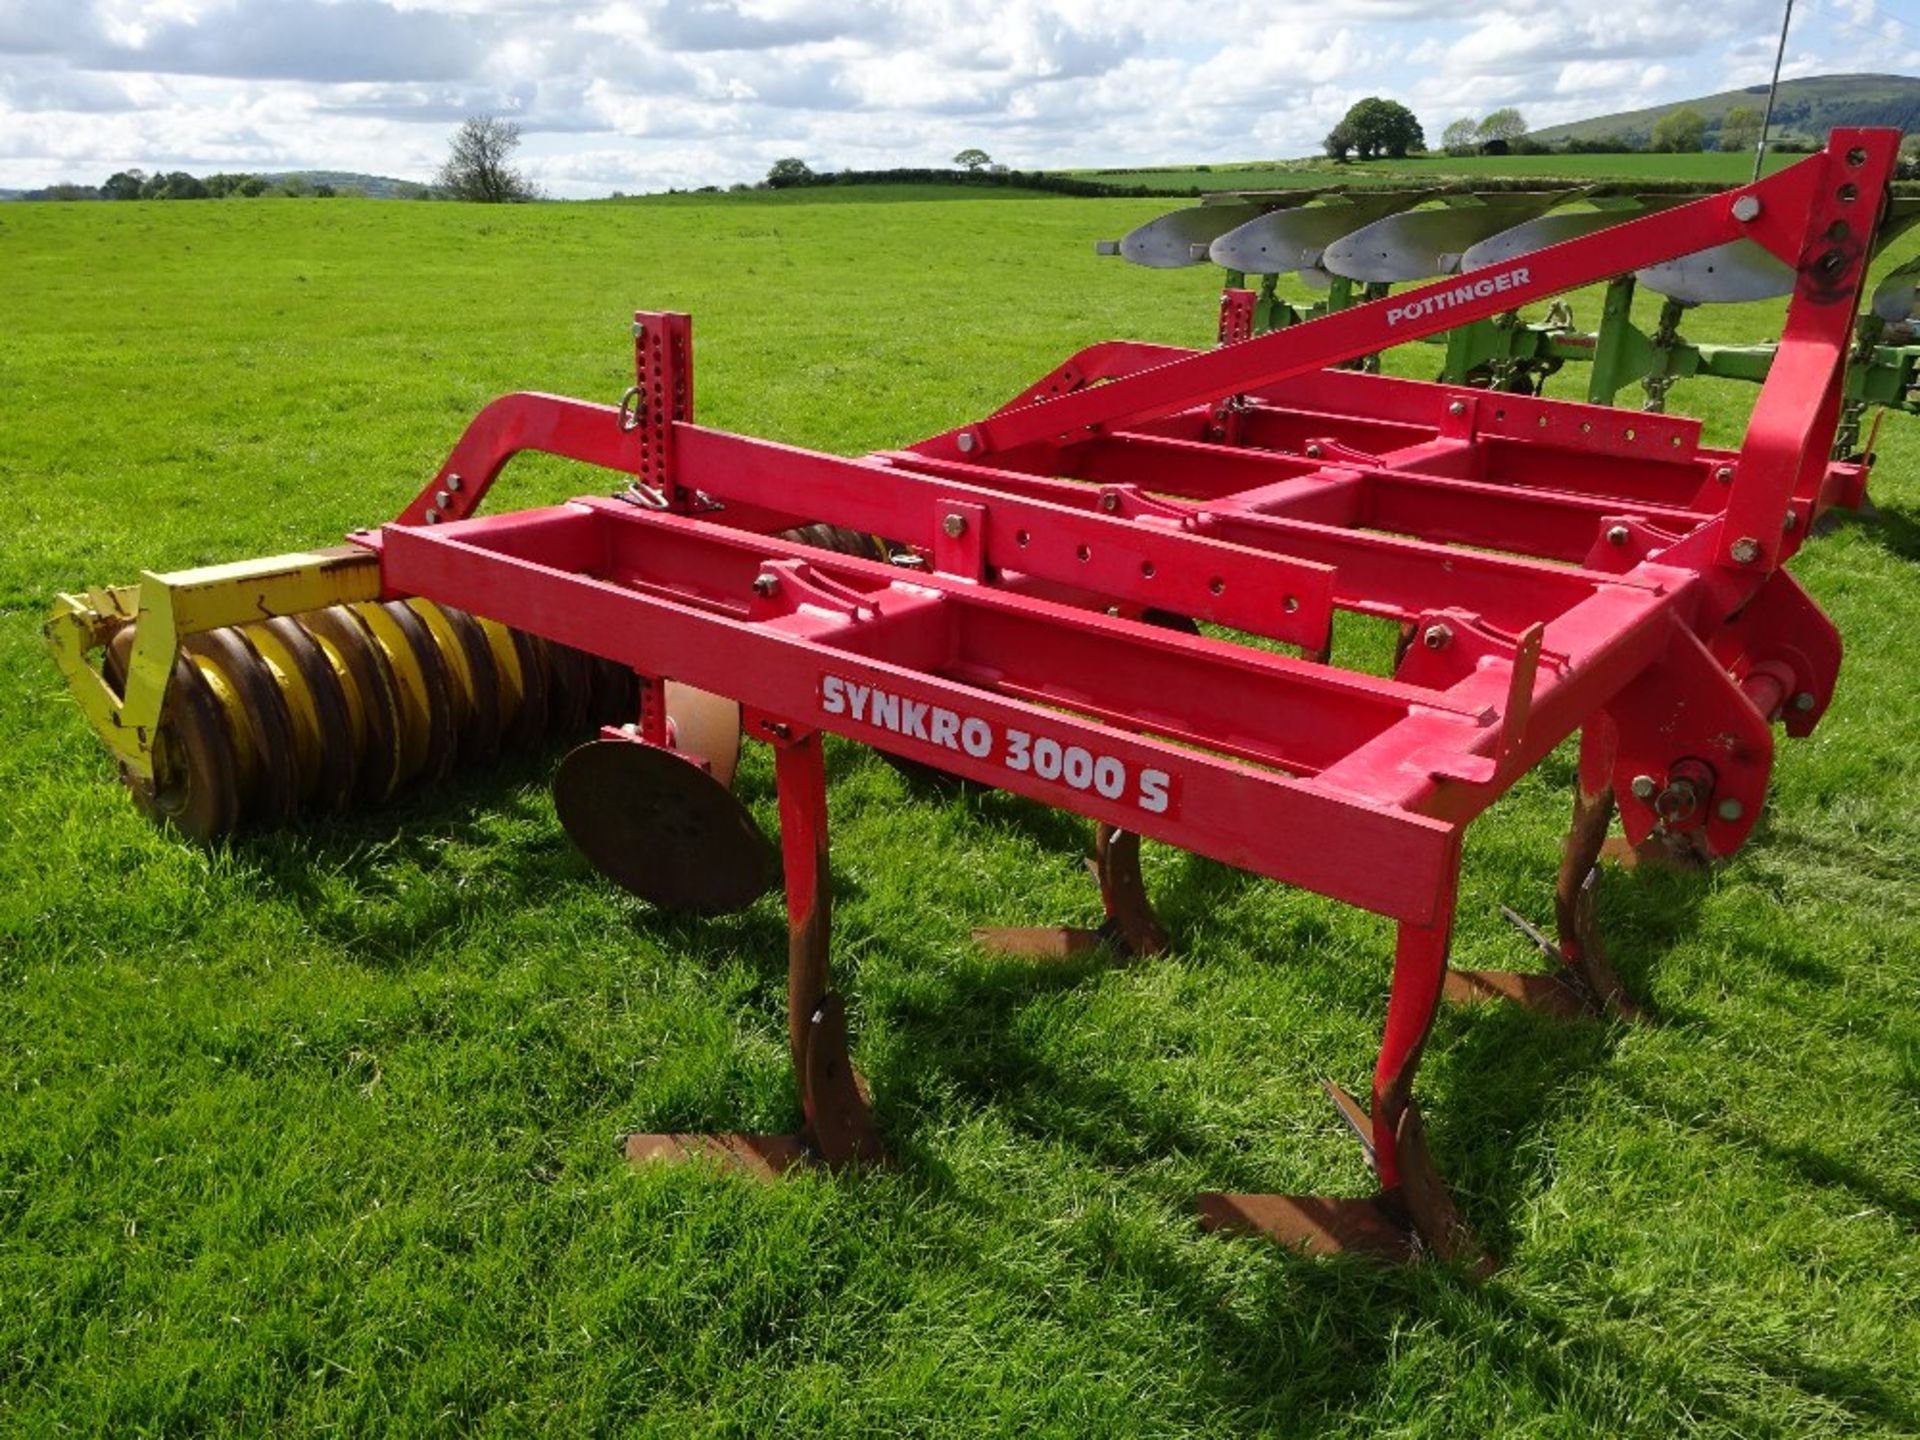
<point>443,499</point>
<point>1458,407</point>
<point>1791,523</point>
<point>1724,474</point>
<point>1437,636</point>
<point>954,526</point>
<point>1618,534</point>
<point>1110,502</point>
<point>1804,701</point>
<point>1745,550</point>
<point>968,442</point>
<point>766,584</point>
<point>1644,787</point>
<point>1746,207</point>
<point>1314,452</point>
<point>433,517</point>
<point>453,482</point>
<point>1730,809</point>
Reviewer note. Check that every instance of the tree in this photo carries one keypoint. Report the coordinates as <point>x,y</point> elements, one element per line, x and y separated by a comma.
<point>1681,131</point>
<point>1377,127</point>
<point>477,167</point>
<point>1338,142</point>
<point>1462,137</point>
<point>973,159</point>
<point>790,171</point>
<point>123,185</point>
<point>1506,125</point>
<point>1740,128</point>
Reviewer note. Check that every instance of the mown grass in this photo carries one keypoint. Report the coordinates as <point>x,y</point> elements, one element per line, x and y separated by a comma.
<point>315,1134</point>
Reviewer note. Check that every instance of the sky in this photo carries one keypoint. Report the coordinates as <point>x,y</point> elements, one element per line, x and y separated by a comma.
<point>650,94</point>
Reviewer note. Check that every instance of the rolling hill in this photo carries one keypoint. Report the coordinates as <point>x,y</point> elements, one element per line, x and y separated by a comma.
<point>1805,109</point>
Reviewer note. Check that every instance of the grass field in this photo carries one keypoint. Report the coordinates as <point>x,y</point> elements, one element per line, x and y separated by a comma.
<point>316,1134</point>
<point>1707,169</point>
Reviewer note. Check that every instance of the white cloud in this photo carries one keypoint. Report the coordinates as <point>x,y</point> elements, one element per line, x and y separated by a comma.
<point>681,92</point>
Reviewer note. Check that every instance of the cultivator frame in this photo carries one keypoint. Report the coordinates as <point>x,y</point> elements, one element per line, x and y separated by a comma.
<point>1552,567</point>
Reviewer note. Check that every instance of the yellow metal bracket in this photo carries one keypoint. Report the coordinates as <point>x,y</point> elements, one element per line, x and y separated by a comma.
<point>165,610</point>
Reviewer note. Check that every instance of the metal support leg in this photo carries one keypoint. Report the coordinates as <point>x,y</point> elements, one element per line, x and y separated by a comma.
<point>1413,1214</point>
<point>838,1129</point>
<point>1131,928</point>
<point>1582,981</point>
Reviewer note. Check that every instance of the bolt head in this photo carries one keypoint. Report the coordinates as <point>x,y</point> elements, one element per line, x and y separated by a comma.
<point>1730,809</point>
<point>1436,636</point>
<point>766,584</point>
<point>1791,523</point>
<point>1644,787</point>
<point>1804,701</point>
<point>955,526</point>
<point>1745,550</point>
<point>1746,207</point>
<point>1110,502</point>
<point>433,517</point>
<point>1618,534</point>
<point>1313,452</point>
<point>1458,407</point>
<point>968,442</point>
<point>443,499</point>
<point>1724,474</point>
<point>453,482</point>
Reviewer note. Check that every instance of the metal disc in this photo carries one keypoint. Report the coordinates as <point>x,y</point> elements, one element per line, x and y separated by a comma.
<point>197,779</point>
<point>570,701</point>
<point>1721,275</point>
<point>263,710</point>
<point>661,828</point>
<point>1283,240</point>
<point>480,734</point>
<point>1167,243</point>
<point>339,759</point>
<point>1423,243</point>
<point>436,702</point>
<point>372,681</point>
<point>529,725</point>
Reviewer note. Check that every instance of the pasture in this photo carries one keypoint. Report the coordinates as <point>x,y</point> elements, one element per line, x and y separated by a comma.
<point>315,1134</point>
<point>1706,168</point>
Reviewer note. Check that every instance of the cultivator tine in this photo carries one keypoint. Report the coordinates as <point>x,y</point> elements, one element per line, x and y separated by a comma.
<point>1288,239</point>
<point>1423,243</point>
<point>1130,930</point>
<point>1168,243</point>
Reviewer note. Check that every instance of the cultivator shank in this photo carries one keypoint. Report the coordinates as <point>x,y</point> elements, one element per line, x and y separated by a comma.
<point>1065,607</point>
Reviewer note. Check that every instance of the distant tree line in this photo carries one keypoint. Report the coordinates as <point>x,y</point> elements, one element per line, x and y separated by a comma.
<point>179,185</point>
<point>791,173</point>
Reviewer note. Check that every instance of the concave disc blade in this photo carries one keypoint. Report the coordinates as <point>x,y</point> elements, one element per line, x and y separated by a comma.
<point>1283,240</point>
<point>1423,243</point>
<point>1167,243</point>
<point>661,827</point>
<point>707,726</point>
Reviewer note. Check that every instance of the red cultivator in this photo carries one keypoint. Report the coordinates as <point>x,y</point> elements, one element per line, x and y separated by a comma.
<point>1552,567</point>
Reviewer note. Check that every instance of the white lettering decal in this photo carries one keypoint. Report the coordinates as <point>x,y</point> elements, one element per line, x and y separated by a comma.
<point>1022,753</point>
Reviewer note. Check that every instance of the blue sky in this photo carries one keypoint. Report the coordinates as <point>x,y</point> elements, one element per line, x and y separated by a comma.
<point>647,94</point>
